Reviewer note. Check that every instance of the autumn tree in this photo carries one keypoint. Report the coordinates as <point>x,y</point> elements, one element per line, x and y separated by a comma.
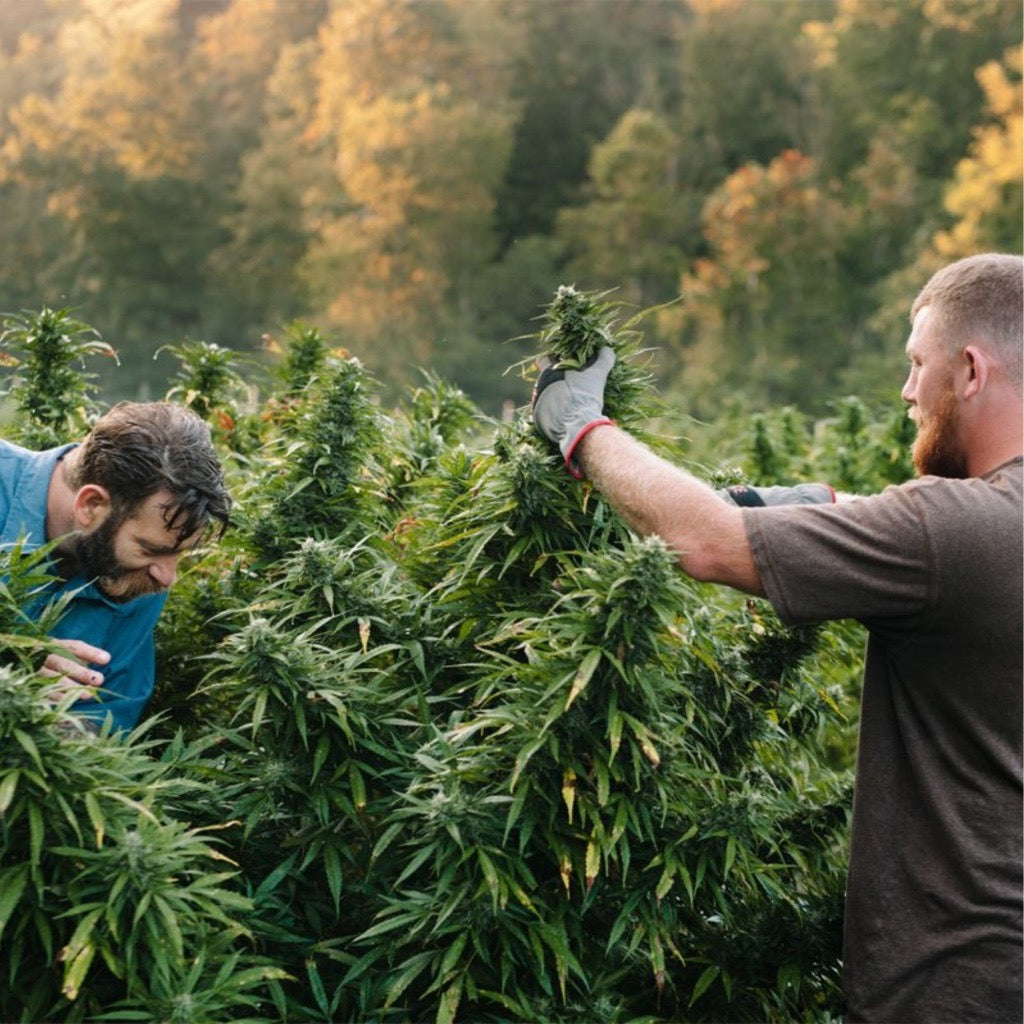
<point>636,222</point>
<point>985,195</point>
<point>745,90</point>
<point>34,237</point>
<point>415,113</point>
<point>765,311</point>
<point>275,167</point>
<point>137,186</point>
<point>583,64</point>
<point>116,156</point>
<point>416,174</point>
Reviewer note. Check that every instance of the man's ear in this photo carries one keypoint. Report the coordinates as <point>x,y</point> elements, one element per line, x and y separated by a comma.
<point>976,367</point>
<point>91,506</point>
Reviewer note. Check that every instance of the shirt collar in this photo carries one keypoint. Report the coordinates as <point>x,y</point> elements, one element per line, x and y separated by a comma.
<point>27,514</point>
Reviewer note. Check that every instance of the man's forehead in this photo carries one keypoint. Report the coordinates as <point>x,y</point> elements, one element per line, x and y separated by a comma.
<point>918,327</point>
<point>153,519</point>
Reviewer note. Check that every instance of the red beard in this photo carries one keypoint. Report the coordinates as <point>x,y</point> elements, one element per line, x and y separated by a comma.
<point>937,450</point>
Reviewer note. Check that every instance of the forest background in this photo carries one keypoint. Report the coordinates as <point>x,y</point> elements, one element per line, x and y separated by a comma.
<point>416,178</point>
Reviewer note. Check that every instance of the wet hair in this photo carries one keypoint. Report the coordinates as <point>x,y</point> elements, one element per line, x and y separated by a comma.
<point>980,299</point>
<point>139,448</point>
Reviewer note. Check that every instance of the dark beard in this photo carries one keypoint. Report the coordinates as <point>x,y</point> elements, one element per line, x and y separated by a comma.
<point>97,562</point>
<point>937,450</point>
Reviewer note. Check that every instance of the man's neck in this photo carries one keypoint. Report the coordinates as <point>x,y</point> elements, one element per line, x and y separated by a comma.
<point>984,462</point>
<point>993,429</point>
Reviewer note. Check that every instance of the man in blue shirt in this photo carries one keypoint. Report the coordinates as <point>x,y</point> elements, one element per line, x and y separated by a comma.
<point>144,487</point>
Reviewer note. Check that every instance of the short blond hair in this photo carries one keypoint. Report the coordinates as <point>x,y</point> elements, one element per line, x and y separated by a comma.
<point>979,299</point>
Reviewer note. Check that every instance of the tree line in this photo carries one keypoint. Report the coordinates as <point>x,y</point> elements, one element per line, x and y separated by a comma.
<point>777,177</point>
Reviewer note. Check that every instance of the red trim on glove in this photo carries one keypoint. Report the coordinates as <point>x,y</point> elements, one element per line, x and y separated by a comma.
<point>570,463</point>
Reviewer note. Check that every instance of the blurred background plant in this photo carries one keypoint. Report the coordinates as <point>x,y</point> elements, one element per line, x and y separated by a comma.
<point>51,390</point>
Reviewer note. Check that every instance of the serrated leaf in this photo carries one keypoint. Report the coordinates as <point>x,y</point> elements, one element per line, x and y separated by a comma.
<point>12,885</point>
<point>358,787</point>
<point>569,790</point>
<point>593,862</point>
<point>332,869</point>
<point>29,746</point>
<point>76,970</point>
<point>665,884</point>
<point>583,675</point>
<point>92,808</point>
<point>317,986</point>
<point>449,1004</point>
<point>413,968</point>
<point>8,787</point>
<point>707,977</point>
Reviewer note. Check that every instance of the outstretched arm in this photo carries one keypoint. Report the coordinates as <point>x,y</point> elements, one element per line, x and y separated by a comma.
<point>705,532</point>
<point>703,527</point>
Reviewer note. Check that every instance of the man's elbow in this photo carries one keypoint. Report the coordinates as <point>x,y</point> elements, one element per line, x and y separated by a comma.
<point>730,566</point>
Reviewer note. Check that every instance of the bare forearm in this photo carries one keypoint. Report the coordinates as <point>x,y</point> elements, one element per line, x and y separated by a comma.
<point>654,497</point>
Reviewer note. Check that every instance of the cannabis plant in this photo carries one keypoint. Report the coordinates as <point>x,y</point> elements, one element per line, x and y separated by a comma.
<point>436,738</point>
<point>108,899</point>
<point>601,820</point>
<point>52,392</point>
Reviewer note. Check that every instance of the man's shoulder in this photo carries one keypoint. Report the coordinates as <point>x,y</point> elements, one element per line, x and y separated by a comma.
<point>13,462</point>
<point>976,519</point>
<point>24,479</point>
<point>1002,488</point>
<point>976,510</point>
<point>12,457</point>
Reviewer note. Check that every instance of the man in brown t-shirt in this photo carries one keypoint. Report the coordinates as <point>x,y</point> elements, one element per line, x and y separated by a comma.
<point>933,569</point>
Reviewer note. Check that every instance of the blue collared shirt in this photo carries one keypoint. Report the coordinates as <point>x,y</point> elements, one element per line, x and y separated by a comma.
<point>125,630</point>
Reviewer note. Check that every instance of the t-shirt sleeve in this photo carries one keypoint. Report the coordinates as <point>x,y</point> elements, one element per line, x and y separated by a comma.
<point>868,559</point>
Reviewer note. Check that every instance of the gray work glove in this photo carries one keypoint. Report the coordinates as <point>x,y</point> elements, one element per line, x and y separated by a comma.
<point>568,403</point>
<point>760,497</point>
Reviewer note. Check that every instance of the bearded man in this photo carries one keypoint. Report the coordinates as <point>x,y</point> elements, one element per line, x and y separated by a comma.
<point>933,569</point>
<point>122,507</point>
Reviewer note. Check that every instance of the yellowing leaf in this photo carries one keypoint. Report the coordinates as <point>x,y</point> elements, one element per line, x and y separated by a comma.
<point>593,864</point>
<point>583,675</point>
<point>569,790</point>
<point>565,870</point>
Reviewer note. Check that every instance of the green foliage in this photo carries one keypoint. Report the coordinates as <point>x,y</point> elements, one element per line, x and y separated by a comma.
<point>320,481</point>
<point>27,614</point>
<point>207,379</point>
<point>304,357</point>
<point>578,325</point>
<point>109,900</point>
<point>52,393</point>
<point>852,449</point>
<point>437,738</point>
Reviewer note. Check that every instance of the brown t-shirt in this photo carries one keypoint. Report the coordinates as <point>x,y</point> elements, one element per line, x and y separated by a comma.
<point>933,569</point>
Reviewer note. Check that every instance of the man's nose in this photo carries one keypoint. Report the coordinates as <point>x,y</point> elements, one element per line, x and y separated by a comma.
<point>164,570</point>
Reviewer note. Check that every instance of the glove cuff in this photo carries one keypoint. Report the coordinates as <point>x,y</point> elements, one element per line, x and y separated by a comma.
<point>567,450</point>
